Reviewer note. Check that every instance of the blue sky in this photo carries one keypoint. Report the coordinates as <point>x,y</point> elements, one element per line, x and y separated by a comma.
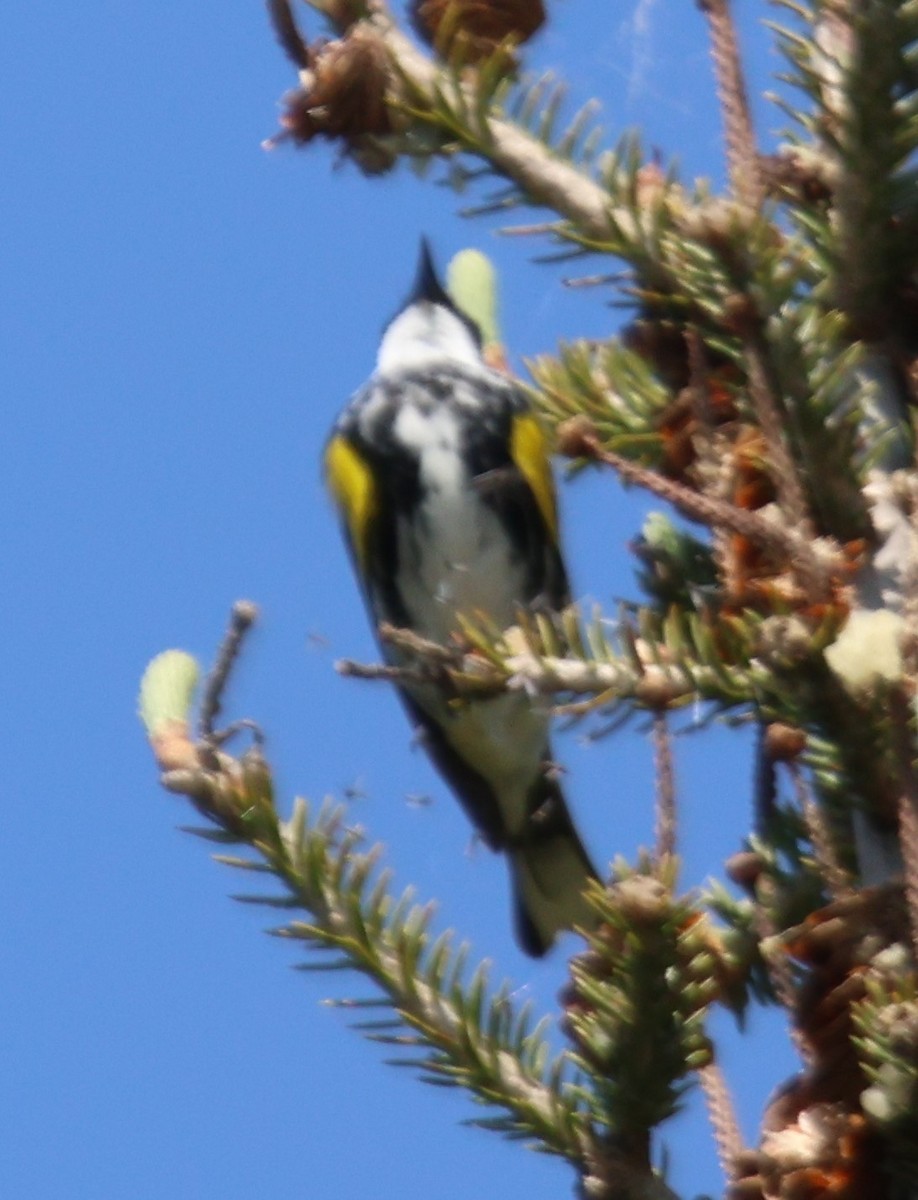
<point>181,316</point>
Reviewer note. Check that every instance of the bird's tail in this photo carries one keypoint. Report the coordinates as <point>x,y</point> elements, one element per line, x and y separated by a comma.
<point>549,868</point>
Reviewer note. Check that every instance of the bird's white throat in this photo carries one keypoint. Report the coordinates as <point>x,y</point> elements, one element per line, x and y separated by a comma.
<point>424,334</point>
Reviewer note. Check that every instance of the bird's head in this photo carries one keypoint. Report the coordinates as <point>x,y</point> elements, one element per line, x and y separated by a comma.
<point>429,329</point>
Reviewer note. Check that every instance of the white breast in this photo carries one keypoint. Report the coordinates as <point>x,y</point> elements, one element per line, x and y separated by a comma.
<point>455,559</point>
<point>454,550</point>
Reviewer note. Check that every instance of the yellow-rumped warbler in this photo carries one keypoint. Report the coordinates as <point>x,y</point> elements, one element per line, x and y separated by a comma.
<point>441,473</point>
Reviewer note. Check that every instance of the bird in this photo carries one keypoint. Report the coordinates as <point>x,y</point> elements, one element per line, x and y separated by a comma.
<point>441,474</point>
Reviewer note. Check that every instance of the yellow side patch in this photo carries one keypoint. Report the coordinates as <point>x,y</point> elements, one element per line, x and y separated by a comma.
<point>529,450</point>
<point>354,489</point>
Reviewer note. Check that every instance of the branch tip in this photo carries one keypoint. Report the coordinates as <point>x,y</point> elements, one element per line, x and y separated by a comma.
<point>242,617</point>
<point>287,32</point>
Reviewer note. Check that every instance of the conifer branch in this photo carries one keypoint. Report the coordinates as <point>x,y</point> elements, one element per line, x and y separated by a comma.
<point>886,1042</point>
<point>641,994</point>
<point>455,1029</point>
<point>437,108</point>
<point>862,62</point>
<point>491,668</point>
<point>460,1031</point>
<point>546,179</point>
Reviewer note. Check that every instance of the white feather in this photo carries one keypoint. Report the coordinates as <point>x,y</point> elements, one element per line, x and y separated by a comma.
<point>458,552</point>
<point>424,334</point>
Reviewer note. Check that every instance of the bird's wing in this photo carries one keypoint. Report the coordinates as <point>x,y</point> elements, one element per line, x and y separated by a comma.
<point>359,498</point>
<point>469,787</point>
<point>529,451</point>
<point>355,491</point>
<point>514,476</point>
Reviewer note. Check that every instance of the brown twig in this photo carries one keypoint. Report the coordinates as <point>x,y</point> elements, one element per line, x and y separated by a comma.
<point>908,840</point>
<point>834,876</point>
<point>782,468</point>
<point>287,33</point>
<point>900,712</point>
<point>577,438</point>
<point>909,586</point>
<point>699,377</point>
<point>722,1115</point>
<point>665,808</point>
<point>242,617</point>
<point>742,155</point>
<point>352,669</point>
<point>781,976</point>
<point>431,659</point>
<point>422,647</point>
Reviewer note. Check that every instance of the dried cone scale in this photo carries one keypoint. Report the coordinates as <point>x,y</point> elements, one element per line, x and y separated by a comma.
<point>474,29</point>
